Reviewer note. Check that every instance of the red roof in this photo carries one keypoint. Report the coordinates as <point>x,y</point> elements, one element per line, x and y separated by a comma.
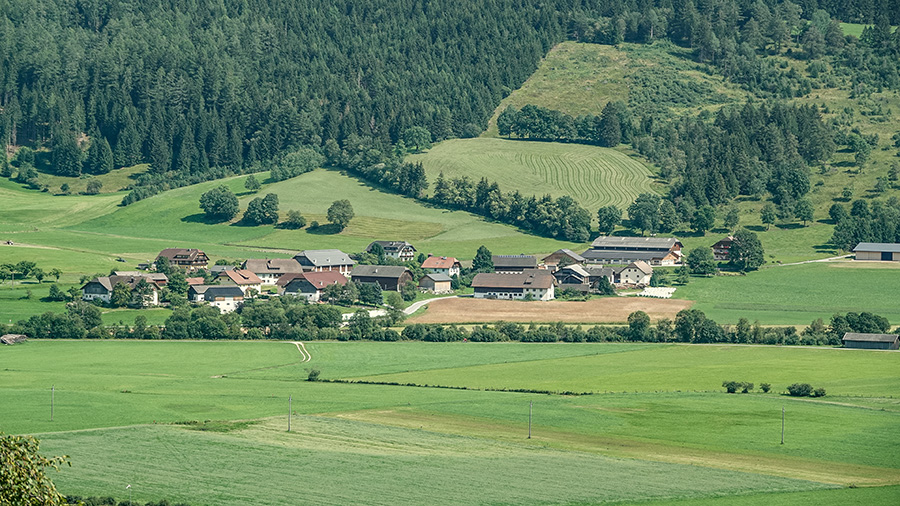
<point>325,278</point>
<point>241,277</point>
<point>439,262</point>
<point>195,281</point>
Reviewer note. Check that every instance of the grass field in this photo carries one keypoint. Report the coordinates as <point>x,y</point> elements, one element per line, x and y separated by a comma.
<point>797,294</point>
<point>350,442</point>
<point>591,175</point>
<point>602,310</point>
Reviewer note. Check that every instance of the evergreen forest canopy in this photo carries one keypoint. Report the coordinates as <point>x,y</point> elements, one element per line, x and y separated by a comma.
<point>213,88</point>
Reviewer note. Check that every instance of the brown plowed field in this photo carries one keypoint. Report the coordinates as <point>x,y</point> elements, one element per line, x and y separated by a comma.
<point>605,310</point>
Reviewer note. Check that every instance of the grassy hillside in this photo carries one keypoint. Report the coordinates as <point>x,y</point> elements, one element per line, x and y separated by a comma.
<point>591,175</point>
<point>586,449</point>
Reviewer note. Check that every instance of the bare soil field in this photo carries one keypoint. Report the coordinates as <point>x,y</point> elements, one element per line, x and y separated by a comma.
<point>605,310</point>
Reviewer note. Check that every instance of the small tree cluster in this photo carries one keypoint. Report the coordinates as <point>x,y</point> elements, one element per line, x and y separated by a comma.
<point>805,390</point>
<point>733,386</point>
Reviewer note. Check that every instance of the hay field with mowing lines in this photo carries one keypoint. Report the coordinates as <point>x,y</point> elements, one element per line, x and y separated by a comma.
<point>592,175</point>
<point>602,310</point>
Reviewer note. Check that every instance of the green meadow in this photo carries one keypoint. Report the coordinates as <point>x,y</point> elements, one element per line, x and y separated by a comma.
<point>196,412</point>
<point>593,176</point>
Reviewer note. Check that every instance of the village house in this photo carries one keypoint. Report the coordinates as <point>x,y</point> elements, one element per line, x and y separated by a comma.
<point>158,278</point>
<point>624,250</point>
<point>635,273</point>
<point>270,270</point>
<point>536,283</point>
<point>401,250</point>
<point>190,259</point>
<point>447,266</point>
<point>225,298</point>
<point>512,264</point>
<point>388,277</point>
<point>101,288</point>
<point>585,278</point>
<point>195,281</point>
<point>871,341</point>
<point>575,277</point>
<point>320,260</point>
<point>436,283</point>
<point>218,269</point>
<point>309,284</point>
<point>561,258</point>
<point>881,251</point>
<point>720,249</point>
<point>244,279</point>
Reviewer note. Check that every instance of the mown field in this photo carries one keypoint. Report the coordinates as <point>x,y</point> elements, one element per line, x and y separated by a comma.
<point>668,434</point>
<point>593,176</point>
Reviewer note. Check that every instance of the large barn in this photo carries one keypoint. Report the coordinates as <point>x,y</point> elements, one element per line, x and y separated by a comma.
<point>883,251</point>
<point>871,341</point>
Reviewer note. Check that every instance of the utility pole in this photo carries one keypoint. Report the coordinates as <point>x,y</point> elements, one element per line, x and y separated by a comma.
<point>290,410</point>
<point>782,424</point>
<point>530,412</point>
<point>52,392</point>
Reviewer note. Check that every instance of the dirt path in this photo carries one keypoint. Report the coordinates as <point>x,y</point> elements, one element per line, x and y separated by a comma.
<point>303,352</point>
<point>419,305</point>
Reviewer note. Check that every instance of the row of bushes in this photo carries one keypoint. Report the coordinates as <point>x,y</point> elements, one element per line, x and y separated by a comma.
<point>805,390</point>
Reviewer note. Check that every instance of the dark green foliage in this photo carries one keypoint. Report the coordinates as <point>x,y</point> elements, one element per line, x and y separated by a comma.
<point>643,213</point>
<point>732,218</point>
<point>262,211</point>
<point>66,155</point>
<point>837,213</point>
<point>733,386</point>
<point>800,389</point>
<point>804,210</point>
<point>370,293</point>
<point>417,137</point>
<point>881,223</point>
<point>604,287</point>
<point>704,219</point>
<point>701,261</point>
<point>93,187</point>
<point>818,392</point>
<point>219,204</point>
<point>409,291</point>
<point>297,162</point>
<point>340,213</point>
<point>99,158</point>
<point>746,252</point>
<point>483,261</point>
<point>313,375</point>
<point>294,220</point>
<point>609,218</point>
<point>252,184</point>
<point>765,387</point>
<point>638,326</point>
<point>767,214</point>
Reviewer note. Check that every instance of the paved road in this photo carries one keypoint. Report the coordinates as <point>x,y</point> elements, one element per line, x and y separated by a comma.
<point>418,305</point>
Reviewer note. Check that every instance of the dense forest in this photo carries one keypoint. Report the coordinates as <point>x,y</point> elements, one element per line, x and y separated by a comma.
<point>211,88</point>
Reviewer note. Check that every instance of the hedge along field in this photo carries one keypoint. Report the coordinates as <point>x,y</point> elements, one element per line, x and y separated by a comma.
<point>797,294</point>
<point>592,175</point>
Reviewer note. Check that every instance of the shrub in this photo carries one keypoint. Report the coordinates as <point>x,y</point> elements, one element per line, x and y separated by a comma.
<point>765,387</point>
<point>819,392</point>
<point>313,375</point>
<point>731,386</point>
<point>746,387</point>
<point>800,389</point>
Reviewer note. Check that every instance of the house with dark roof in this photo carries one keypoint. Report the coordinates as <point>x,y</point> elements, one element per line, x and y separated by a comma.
<point>871,341</point>
<point>721,248</point>
<point>562,258</point>
<point>585,278</point>
<point>190,259</point>
<point>158,278</point>
<point>270,270</point>
<point>624,250</point>
<point>225,297</point>
<point>881,251</point>
<point>510,264</point>
<point>447,266</point>
<point>242,278</point>
<point>310,284</point>
<point>388,277</point>
<point>537,283</point>
<point>436,283</point>
<point>102,287</point>
<point>401,250</point>
<point>320,260</point>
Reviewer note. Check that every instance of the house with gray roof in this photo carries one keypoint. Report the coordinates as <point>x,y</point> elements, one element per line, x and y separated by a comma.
<point>319,260</point>
<point>537,284</point>
<point>225,297</point>
<point>881,251</point>
<point>436,283</point>
<point>624,250</point>
<point>562,258</point>
<point>401,250</point>
<point>509,264</point>
<point>102,287</point>
<point>270,270</point>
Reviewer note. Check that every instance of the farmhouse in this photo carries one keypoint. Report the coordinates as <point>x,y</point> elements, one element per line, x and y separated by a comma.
<point>388,277</point>
<point>218,269</point>
<point>226,298</point>
<point>871,341</point>
<point>585,278</point>
<point>720,249</point>
<point>574,277</point>
<point>158,278</point>
<point>309,284</point>
<point>401,250</point>
<point>562,257</point>
<point>537,283</point>
<point>11,339</point>
<point>102,288</point>
<point>244,279</point>
<point>447,266</point>
<point>635,273</point>
<point>320,260</point>
<point>511,264</point>
<point>882,251</point>
<point>190,259</point>
<point>623,250</point>
<point>436,283</point>
<point>270,270</point>
<point>195,281</point>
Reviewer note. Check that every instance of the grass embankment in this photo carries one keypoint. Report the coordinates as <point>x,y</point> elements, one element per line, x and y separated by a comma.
<point>349,441</point>
<point>593,176</point>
